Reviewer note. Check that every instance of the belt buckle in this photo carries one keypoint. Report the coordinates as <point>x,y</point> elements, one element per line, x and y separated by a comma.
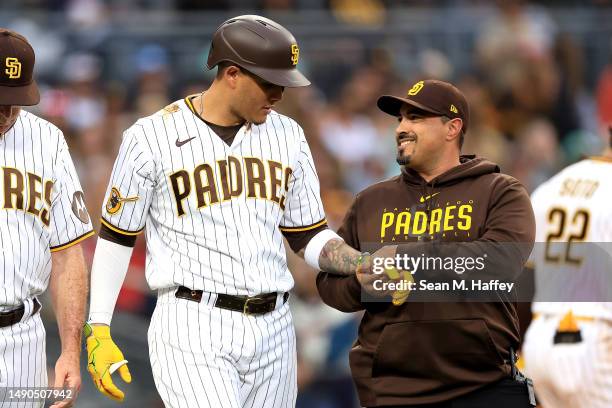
<point>254,299</point>
<point>245,308</point>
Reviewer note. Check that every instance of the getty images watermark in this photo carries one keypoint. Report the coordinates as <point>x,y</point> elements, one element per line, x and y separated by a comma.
<point>413,264</point>
<point>423,263</point>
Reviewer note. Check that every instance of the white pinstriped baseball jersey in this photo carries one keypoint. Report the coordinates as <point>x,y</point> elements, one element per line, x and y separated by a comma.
<point>214,213</point>
<point>573,208</point>
<point>572,261</point>
<point>42,207</point>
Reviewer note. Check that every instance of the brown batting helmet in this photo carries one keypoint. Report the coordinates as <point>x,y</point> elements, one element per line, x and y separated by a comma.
<point>261,46</point>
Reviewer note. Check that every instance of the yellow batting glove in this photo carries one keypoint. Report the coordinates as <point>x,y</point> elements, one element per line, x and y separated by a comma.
<point>103,359</point>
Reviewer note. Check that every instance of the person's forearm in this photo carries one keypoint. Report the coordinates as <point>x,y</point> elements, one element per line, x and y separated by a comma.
<point>340,292</point>
<point>69,287</point>
<point>337,257</point>
<point>108,270</point>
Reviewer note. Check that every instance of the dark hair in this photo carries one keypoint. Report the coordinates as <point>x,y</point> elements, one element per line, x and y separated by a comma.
<point>445,119</point>
<point>222,66</point>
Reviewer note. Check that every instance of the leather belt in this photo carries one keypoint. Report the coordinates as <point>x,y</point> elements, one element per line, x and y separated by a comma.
<point>15,315</point>
<point>250,305</point>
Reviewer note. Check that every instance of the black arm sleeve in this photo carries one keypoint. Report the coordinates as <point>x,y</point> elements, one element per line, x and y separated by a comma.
<point>299,239</point>
<point>116,236</point>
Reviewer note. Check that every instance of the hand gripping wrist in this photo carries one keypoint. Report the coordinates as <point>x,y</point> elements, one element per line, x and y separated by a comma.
<point>364,262</point>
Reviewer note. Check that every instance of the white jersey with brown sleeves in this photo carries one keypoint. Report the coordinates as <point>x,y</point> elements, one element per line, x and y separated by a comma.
<point>574,223</point>
<point>43,207</point>
<point>213,213</point>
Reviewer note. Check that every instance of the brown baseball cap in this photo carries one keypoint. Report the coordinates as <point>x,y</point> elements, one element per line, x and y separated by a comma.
<point>17,87</point>
<point>433,96</point>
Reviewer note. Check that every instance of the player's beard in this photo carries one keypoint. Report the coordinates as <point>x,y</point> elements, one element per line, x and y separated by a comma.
<point>405,159</point>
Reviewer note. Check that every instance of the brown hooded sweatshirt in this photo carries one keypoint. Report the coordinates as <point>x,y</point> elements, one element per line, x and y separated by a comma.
<point>428,352</point>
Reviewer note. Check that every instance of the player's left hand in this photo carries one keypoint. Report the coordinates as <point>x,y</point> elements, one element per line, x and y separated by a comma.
<point>103,359</point>
<point>67,376</point>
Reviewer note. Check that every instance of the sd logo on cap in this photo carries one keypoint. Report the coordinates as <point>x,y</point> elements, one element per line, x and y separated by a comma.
<point>17,87</point>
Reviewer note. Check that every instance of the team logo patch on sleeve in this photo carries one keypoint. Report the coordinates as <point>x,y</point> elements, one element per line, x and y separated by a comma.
<point>115,201</point>
<point>78,207</point>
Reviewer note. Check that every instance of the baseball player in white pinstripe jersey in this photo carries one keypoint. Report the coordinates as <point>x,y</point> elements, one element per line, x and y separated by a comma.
<point>568,346</point>
<point>42,220</point>
<point>216,180</point>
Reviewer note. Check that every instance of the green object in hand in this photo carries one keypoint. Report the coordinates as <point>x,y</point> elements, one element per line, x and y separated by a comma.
<point>87,330</point>
<point>362,257</point>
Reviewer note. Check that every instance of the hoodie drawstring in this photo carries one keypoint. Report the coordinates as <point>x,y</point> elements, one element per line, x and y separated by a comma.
<point>428,192</point>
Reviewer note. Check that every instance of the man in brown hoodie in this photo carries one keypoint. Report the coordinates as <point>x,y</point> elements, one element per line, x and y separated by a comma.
<point>442,347</point>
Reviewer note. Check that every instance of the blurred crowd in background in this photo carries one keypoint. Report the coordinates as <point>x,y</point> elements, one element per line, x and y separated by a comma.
<point>538,77</point>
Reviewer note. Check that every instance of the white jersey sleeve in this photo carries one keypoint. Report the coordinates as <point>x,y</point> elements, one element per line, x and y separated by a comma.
<point>69,217</point>
<point>304,209</point>
<point>131,186</point>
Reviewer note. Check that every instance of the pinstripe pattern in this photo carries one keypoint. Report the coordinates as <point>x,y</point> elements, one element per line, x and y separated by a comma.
<point>201,355</point>
<point>233,246</point>
<point>209,357</point>
<point>591,270</point>
<point>23,357</point>
<point>32,153</point>
<point>35,146</point>
<point>580,374</point>
<point>570,375</point>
